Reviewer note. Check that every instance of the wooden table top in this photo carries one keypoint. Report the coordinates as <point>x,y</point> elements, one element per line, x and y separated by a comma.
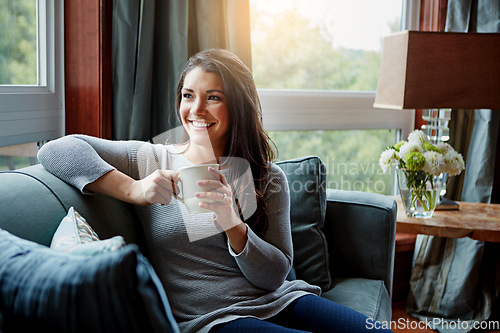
<point>478,221</point>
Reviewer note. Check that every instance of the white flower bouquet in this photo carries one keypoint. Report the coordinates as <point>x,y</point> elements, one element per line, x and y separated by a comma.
<point>419,163</point>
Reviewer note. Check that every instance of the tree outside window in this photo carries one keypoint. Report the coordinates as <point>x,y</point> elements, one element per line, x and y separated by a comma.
<point>298,45</point>
<point>18,42</point>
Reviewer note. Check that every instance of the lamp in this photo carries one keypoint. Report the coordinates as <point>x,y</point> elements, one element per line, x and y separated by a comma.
<point>426,70</point>
<point>437,72</point>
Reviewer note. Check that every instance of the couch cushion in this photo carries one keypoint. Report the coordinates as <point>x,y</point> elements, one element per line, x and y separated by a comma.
<point>367,296</point>
<point>43,290</point>
<point>24,197</point>
<point>306,180</point>
<point>74,235</point>
<point>365,246</point>
<point>33,191</point>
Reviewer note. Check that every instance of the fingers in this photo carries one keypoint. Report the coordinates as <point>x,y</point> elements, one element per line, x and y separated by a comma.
<point>218,175</point>
<point>210,184</point>
<point>160,186</point>
<point>173,177</point>
<point>213,197</point>
<point>217,189</point>
<point>217,183</point>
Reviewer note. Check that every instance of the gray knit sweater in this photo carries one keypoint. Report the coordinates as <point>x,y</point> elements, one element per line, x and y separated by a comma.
<point>205,281</point>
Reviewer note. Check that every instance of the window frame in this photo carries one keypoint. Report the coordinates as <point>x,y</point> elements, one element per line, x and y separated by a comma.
<point>329,110</point>
<point>33,113</point>
<point>284,109</point>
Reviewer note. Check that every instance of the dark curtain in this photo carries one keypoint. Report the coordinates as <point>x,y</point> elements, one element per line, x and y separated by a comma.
<point>152,40</point>
<point>459,279</point>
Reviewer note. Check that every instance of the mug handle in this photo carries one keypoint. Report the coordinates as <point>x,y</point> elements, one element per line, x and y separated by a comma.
<point>175,195</point>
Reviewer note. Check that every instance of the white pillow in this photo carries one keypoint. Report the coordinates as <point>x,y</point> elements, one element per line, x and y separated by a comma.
<point>75,236</point>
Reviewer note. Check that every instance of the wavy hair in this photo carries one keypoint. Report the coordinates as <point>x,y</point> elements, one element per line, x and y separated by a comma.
<point>247,137</point>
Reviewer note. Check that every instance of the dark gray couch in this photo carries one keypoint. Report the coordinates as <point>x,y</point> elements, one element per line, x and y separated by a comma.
<point>343,241</point>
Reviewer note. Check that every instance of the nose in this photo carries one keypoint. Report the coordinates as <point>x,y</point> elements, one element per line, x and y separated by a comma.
<point>198,107</point>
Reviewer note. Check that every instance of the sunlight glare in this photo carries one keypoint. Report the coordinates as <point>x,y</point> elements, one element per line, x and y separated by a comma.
<point>354,24</point>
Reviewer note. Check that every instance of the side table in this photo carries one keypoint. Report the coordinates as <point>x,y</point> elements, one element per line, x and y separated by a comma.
<point>479,221</point>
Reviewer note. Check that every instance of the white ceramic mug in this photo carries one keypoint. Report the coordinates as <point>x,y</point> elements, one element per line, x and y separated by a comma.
<point>188,183</point>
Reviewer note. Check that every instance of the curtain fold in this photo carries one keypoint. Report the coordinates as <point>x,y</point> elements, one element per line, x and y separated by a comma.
<point>152,40</point>
<point>480,170</point>
<point>459,279</point>
<point>221,24</point>
<point>461,126</point>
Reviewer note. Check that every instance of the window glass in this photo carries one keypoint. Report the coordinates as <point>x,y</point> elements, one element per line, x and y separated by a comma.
<point>350,156</point>
<point>18,156</point>
<point>332,45</point>
<point>18,42</point>
<point>320,44</point>
<point>31,71</point>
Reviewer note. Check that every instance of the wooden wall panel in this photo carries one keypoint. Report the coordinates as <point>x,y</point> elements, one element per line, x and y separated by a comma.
<point>87,29</point>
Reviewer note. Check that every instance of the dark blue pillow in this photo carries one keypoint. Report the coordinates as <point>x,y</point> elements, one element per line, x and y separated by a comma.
<point>306,179</point>
<point>44,290</point>
<point>1,322</point>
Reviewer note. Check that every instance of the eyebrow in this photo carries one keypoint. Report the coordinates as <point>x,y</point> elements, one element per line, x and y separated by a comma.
<point>208,91</point>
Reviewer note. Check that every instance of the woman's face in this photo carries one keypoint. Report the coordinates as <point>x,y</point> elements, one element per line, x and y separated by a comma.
<point>203,109</point>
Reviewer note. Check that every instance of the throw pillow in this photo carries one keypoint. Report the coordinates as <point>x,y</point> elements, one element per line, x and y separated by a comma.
<point>42,290</point>
<point>306,181</point>
<point>74,235</point>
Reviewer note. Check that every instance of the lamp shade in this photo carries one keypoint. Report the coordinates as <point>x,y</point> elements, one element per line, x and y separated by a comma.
<point>423,70</point>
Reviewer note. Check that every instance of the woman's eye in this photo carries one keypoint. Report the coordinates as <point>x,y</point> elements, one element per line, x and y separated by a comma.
<point>214,98</point>
<point>186,95</point>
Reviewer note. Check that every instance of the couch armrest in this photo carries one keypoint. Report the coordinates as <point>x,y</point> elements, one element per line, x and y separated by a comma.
<point>360,229</point>
<point>33,202</point>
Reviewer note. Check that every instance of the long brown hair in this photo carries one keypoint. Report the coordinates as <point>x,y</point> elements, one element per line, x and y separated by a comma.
<point>247,138</point>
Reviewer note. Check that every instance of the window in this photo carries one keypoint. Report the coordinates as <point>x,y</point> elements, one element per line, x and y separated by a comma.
<point>18,45</point>
<point>320,44</point>
<point>18,156</point>
<point>31,71</point>
<point>315,63</point>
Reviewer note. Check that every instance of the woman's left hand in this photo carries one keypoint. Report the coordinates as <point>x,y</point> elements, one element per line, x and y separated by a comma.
<point>219,199</point>
<point>222,204</point>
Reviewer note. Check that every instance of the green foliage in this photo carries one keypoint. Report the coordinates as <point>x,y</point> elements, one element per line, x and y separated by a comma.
<point>288,52</point>
<point>18,49</point>
<point>15,162</point>
<point>350,157</point>
<point>419,190</point>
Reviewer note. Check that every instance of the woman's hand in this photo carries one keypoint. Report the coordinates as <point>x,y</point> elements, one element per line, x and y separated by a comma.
<point>157,188</point>
<point>222,204</point>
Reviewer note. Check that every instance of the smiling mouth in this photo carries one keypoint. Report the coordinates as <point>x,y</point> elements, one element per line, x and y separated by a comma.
<point>200,124</point>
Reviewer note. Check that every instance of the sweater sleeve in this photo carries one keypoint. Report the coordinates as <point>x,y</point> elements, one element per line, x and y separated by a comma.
<point>266,261</point>
<point>80,160</point>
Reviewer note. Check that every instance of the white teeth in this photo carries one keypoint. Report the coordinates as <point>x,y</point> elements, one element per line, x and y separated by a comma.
<point>201,124</point>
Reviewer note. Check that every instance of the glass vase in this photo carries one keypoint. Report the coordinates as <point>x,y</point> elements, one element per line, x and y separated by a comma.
<point>419,192</point>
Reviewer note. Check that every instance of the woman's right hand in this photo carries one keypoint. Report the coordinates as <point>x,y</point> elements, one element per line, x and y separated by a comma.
<point>157,188</point>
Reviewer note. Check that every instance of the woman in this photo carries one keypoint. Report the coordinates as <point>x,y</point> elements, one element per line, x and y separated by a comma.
<point>232,275</point>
